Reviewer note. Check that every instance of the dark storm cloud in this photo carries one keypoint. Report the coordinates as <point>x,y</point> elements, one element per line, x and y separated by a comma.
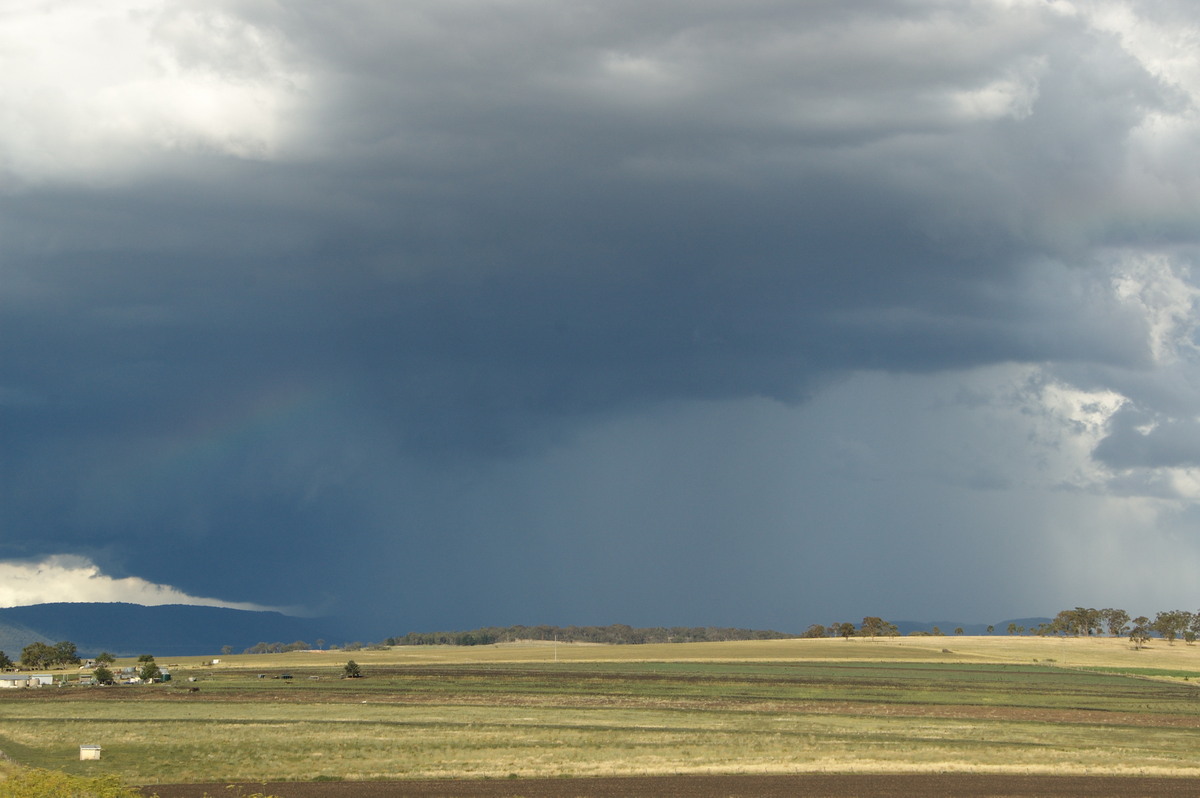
<point>713,203</point>
<point>465,230</point>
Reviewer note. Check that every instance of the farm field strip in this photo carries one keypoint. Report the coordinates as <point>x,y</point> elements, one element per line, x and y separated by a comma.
<point>622,715</point>
<point>494,742</point>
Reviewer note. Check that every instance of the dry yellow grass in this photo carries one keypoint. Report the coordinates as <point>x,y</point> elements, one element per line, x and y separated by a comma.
<point>1068,652</point>
<point>757,706</point>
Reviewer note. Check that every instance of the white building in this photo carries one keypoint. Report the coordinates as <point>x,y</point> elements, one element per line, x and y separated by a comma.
<point>26,680</point>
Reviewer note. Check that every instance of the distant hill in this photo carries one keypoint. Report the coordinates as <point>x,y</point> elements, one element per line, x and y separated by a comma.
<point>168,630</point>
<point>616,634</point>
<point>185,630</point>
<point>948,627</point>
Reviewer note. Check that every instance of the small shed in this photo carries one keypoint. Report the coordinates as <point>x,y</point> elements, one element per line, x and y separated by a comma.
<point>89,752</point>
<point>13,681</point>
<point>41,680</point>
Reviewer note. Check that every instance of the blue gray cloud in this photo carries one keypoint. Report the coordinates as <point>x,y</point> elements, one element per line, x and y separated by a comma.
<point>499,314</point>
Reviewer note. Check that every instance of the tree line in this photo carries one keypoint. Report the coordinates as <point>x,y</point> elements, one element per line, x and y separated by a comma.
<point>620,634</point>
<point>1083,621</point>
<point>1169,625</point>
<point>38,656</point>
<point>872,626</point>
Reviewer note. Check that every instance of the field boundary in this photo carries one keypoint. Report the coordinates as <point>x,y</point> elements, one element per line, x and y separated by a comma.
<point>821,785</point>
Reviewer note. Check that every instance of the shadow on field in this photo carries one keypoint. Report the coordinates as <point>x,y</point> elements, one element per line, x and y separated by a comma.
<point>718,786</point>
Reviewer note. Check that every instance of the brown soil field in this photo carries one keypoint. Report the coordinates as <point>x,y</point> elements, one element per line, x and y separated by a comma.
<point>722,786</point>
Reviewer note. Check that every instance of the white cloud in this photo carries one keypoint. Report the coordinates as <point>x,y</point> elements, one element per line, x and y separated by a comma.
<point>95,90</point>
<point>70,578</point>
<point>1160,288</point>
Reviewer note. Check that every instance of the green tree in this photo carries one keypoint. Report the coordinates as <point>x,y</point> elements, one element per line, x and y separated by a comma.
<point>6,664</point>
<point>102,675</point>
<point>1139,635</point>
<point>65,653</point>
<point>873,626</point>
<point>352,671</point>
<point>1116,620</point>
<point>1077,622</point>
<point>845,630</point>
<point>36,656</point>
<point>149,671</point>
<point>816,630</point>
<point>104,658</point>
<point>1171,623</point>
<point>990,629</point>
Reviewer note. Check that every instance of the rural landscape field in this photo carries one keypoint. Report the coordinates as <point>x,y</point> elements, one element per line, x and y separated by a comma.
<point>500,715</point>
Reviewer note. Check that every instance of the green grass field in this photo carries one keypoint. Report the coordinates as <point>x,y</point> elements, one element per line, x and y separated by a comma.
<point>997,704</point>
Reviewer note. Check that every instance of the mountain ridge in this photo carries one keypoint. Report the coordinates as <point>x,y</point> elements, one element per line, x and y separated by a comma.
<point>126,629</point>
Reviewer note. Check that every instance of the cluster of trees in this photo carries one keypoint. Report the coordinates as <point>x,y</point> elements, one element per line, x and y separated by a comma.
<point>1167,624</point>
<point>872,626</point>
<point>272,648</point>
<point>37,656</point>
<point>616,633</point>
<point>300,645</point>
<point>1082,621</point>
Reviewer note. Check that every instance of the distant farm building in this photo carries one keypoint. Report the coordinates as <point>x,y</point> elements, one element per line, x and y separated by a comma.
<point>89,752</point>
<point>8,682</point>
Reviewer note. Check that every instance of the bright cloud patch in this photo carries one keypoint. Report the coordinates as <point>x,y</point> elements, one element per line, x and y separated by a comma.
<point>64,578</point>
<point>90,89</point>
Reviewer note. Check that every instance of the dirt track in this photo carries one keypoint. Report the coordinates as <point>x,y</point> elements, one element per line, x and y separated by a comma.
<point>806,786</point>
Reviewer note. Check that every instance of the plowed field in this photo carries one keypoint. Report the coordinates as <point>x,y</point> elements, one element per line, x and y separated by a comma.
<point>803,786</point>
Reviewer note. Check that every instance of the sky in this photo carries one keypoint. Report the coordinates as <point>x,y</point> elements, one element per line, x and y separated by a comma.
<point>455,313</point>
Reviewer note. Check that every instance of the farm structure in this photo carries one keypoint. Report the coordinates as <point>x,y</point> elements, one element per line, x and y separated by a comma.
<point>33,680</point>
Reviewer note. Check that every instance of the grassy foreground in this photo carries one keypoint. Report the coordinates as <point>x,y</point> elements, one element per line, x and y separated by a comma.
<point>982,704</point>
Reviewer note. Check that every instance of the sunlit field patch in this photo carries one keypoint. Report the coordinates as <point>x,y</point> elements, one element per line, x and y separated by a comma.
<point>958,704</point>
